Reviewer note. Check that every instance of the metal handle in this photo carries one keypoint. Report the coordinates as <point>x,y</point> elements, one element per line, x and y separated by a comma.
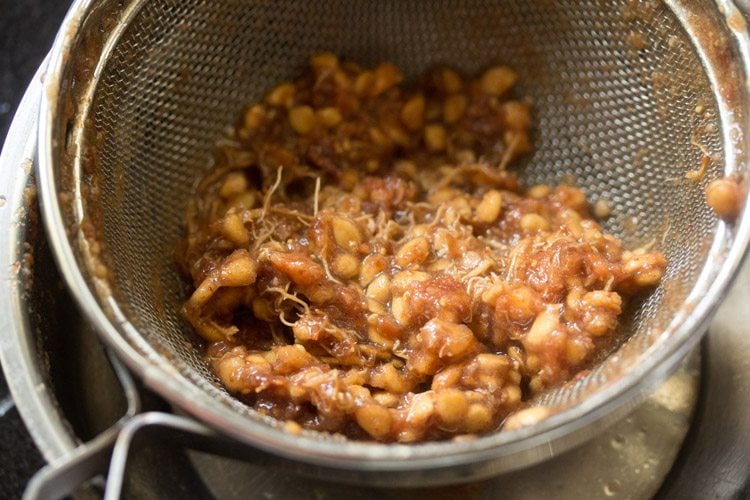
<point>62,477</point>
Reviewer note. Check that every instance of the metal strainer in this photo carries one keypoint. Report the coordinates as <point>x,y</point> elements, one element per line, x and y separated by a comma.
<point>629,97</point>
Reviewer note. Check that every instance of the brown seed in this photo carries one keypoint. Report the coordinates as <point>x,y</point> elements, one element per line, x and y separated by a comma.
<point>451,407</point>
<point>414,252</point>
<point>302,119</point>
<point>534,223</point>
<point>253,118</point>
<point>497,80</point>
<point>454,108</point>
<point>325,61</point>
<point>412,114</point>
<point>363,83</point>
<point>234,230</point>
<point>234,184</point>
<point>329,117</point>
<point>380,288</point>
<point>516,115</point>
<point>371,267</point>
<point>451,81</point>
<point>346,265</point>
<point>478,418</point>
<point>242,201</point>
<point>602,209</point>
<point>724,196</point>
<point>239,269</point>
<point>545,323</point>
<point>346,233</point>
<point>387,76</point>
<point>435,137</point>
<point>539,191</point>
<point>375,420</point>
<point>488,209</point>
<point>281,95</point>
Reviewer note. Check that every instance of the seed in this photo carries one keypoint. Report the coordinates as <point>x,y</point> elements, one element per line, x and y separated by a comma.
<point>346,233</point>
<point>575,352</point>
<point>406,168</point>
<point>292,427</point>
<point>329,117</point>
<point>451,81</point>
<point>349,178</point>
<point>403,279</point>
<point>545,323</point>
<point>374,419</point>
<point>242,201</point>
<point>390,379</point>
<point>234,230</point>
<point>398,309</point>
<point>363,83</point>
<point>515,115</point>
<point>253,118</point>
<point>385,399</point>
<point>325,61</point>
<point>492,363</point>
<point>387,76</point>
<point>602,209</point>
<point>435,137</point>
<point>302,119</point>
<point>465,156</point>
<point>397,135</point>
<point>497,80</point>
<point>235,183</point>
<point>488,209</point>
<point>478,418</point>
<point>513,394</point>
<point>380,288</point>
<point>239,269</point>
<point>538,191</point>
<point>415,251</point>
<point>442,195</point>
<point>375,307</point>
<point>451,407</point>
<point>346,265</point>
<point>454,108</point>
<point>724,196</point>
<point>371,267</point>
<point>230,370</point>
<point>533,223</point>
<point>378,137</point>
<point>282,95</point>
<point>412,114</point>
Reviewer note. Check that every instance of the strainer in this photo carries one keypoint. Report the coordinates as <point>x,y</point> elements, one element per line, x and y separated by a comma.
<point>629,97</point>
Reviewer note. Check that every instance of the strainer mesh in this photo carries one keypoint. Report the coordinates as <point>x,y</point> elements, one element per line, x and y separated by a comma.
<point>621,104</point>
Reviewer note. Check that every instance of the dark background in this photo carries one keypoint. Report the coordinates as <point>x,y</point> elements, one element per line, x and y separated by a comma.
<point>27,29</point>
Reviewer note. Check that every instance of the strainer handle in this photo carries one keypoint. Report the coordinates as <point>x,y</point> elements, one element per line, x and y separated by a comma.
<point>109,453</point>
<point>61,477</point>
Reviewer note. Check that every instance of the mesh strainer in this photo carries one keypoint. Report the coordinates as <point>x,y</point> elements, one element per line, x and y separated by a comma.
<point>629,97</point>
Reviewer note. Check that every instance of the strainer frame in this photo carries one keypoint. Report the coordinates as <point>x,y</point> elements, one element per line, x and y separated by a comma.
<point>354,461</point>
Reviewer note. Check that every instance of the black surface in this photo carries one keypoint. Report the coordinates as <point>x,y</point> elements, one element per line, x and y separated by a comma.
<point>27,28</point>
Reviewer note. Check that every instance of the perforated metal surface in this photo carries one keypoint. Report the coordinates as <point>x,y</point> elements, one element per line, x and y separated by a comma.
<point>624,107</point>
